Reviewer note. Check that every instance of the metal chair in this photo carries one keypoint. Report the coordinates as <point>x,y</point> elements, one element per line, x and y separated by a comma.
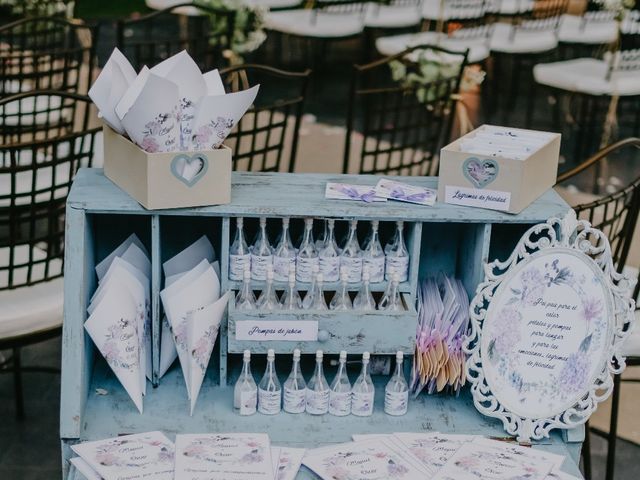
<point>152,38</point>
<point>617,216</point>
<point>34,182</point>
<point>266,138</point>
<point>403,126</point>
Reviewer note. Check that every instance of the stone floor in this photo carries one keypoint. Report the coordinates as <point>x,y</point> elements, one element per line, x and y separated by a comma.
<point>30,449</point>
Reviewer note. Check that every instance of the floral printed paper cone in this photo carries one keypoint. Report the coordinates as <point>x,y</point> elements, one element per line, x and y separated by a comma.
<point>113,81</point>
<point>168,352</point>
<point>149,113</point>
<point>185,74</point>
<point>203,332</point>
<point>214,83</point>
<point>113,328</point>
<point>216,116</point>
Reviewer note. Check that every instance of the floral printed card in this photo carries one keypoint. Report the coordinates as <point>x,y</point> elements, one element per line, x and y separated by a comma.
<point>367,460</point>
<point>130,457</point>
<point>393,190</point>
<point>286,462</point>
<point>232,456</point>
<point>433,449</point>
<point>490,460</point>
<point>346,191</point>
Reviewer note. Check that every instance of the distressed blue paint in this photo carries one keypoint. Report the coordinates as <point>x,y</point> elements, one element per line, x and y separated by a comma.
<point>460,247</point>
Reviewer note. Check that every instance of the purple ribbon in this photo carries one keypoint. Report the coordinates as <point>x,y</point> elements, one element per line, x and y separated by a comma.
<point>399,194</point>
<point>353,194</point>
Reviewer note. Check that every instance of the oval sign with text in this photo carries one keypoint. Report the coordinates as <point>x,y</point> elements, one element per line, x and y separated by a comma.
<point>547,333</point>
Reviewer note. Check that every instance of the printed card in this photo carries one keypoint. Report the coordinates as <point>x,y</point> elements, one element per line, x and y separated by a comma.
<point>345,191</point>
<point>433,449</point>
<point>233,456</point>
<point>130,457</point>
<point>402,192</point>
<point>286,462</point>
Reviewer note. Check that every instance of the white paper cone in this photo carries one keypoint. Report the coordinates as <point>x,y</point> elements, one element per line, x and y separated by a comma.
<point>190,257</point>
<point>112,327</point>
<point>203,332</point>
<point>214,83</point>
<point>103,266</point>
<point>168,352</point>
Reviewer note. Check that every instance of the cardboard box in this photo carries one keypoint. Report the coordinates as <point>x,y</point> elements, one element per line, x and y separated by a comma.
<point>507,184</point>
<point>153,179</point>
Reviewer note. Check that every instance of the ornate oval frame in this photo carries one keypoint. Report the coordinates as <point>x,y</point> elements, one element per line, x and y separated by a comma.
<point>580,237</point>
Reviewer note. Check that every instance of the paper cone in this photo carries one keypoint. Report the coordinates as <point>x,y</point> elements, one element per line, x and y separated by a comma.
<point>214,83</point>
<point>189,257</point>
<point>113,328</point>
<point>203,332</point>
<point>103,266</point>
<point>168,352</point>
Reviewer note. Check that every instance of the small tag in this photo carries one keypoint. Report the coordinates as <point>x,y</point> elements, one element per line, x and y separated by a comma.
<point>291,331</point>
<point>402,192</point>
<point>475,197</point>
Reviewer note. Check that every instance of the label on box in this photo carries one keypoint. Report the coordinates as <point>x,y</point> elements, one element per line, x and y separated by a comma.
<point>291,331</point>
<point>476,197</point>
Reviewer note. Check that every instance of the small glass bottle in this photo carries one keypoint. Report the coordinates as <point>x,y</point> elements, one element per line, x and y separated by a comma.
<point>340,390</point>
<point>239,254</point>
<point>269,390</point>
<point>397,255</point>
<point>314,299</point>
<point>391,300</point>
<point>329,255</point>
<point>351,256</point>
<point>295,390</point>
<point>363,391</point>
<point>307,254</point>
<point>318,390</point>
<point>291,298</point>
<point>246,300</point>
<point>341,299</point>
<point>321,241</point>
<point>364,300</point>
<point>284,256</point>
<point>396,393</point>
<point>245,392</point>
<point>373,256</point>
<point>268,299</point>
<point>261,253</point>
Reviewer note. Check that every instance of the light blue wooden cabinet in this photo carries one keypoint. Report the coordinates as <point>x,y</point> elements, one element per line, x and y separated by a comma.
<point>443,238</point>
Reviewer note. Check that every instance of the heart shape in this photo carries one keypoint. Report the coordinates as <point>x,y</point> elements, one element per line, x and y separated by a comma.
<point>189,169</point>
<point>480,172</point>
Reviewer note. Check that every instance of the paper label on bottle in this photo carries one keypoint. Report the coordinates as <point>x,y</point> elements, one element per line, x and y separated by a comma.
<point>295,400</point>
<point>399,265</point>
<point>317,402</point>
<point>353,267</point>
<point>269,402</point>
<point>375,266</point>
<point>396,403</point>
<point>237,264</point>
<point>330,268</point>
<point>248,402</point>
<point>259,264</point>
<point>339,403</point>
<point>282,266</point>
<point>362,403</point>
<point>304,268</point>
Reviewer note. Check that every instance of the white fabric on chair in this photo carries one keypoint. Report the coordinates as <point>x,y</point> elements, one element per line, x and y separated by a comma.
<point>307,23</point>
<point>587,75</point>
<point>524,41</point>
<point>510,7</point>
<point>392,16</point>
<point>33,309</point>
<point>392,45</point>
<point>575,29</point>
<point>435,10</point>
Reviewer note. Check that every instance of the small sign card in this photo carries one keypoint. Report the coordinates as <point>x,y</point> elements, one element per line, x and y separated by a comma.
<point>402,192</point>
<point>345,191</point>
<point>478,197</point>
<point>284,330</point>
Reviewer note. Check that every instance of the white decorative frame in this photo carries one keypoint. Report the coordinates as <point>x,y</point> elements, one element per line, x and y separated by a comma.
<point>580,237</point>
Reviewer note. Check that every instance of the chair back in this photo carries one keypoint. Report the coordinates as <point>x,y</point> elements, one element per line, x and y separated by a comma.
<point>545,16</point>
<point>35,178</point>
<point>266,138</point>
<point>339,7</point>
<point>403,124</point>
<point>616,214</point>
<point>630,30</point>
<point>468,20</point>
<point>149,39</point>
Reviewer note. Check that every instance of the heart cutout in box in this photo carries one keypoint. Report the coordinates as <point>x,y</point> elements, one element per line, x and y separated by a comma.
<point>189,169</point>
<point>480,172</point>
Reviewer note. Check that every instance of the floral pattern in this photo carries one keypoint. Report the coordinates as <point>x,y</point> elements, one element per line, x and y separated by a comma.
<point>156,132</point>
<point>337,465</point>
<point>108,454</point>
<point>201,449</point>
<point>211,135</point>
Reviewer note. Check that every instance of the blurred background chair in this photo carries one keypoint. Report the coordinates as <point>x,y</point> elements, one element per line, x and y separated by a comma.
<point>395,126</point>
<point>203,32</point>
<point>266,138</point>
<point>616,214</point>
<point>35,177</point>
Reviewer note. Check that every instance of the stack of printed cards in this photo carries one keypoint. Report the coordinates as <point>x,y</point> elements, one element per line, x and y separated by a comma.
<point>119,321</point>
<point>194,309</point>
<point>384,190</point>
